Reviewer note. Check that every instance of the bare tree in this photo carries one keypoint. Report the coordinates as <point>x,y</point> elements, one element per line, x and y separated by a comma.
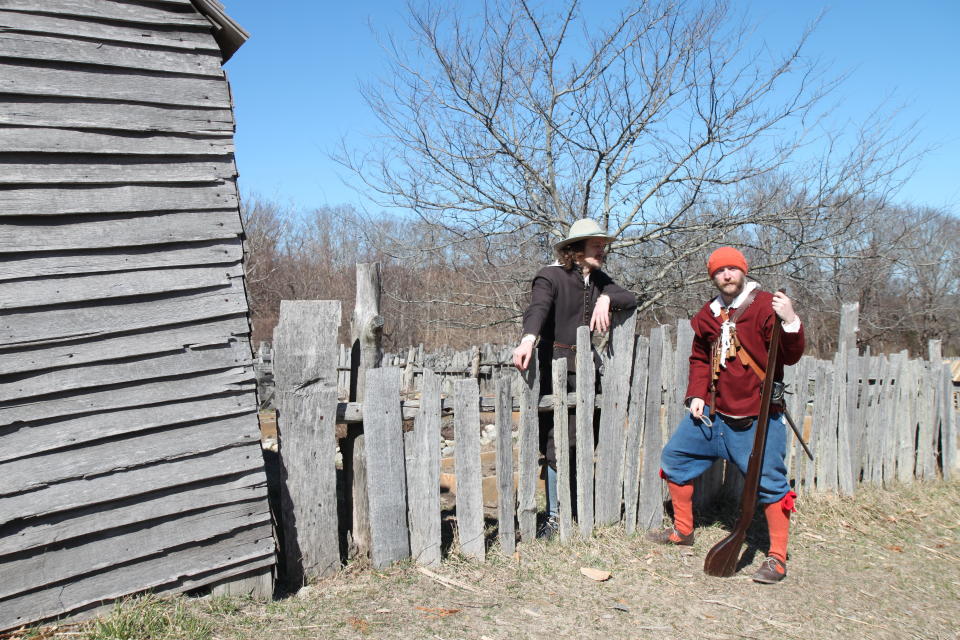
<point>503,128</point>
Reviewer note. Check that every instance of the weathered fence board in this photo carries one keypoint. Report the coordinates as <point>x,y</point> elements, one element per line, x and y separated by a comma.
<point>529,451</point>
<point>948,426</point>
<point>906,426</point>
<point>506,497</point>
<point>469,489</point>
<point>586,392</point>
<point>561,431</point>
<point>650,505</point>
<point>423,475</point>
<point>387,487</point>
<point>847,380</point>
<point>636,415</point>
<point>618,363</point>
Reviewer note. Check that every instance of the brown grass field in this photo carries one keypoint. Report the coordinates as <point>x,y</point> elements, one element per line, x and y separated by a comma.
<point>882,564</point>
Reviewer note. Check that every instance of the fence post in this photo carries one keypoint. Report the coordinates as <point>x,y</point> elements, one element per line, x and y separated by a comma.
<point>422,446</point>
<point>305,373</point>
<point>506,498</point>
<point>586,396</point>
<point>635,423</point>
<point>561,434</point>
<point>613,416</point>
<point>466,430</point>
<point>529,451</point>
<point>387,488</point>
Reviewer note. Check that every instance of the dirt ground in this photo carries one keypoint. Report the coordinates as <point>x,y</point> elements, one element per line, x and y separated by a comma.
<point>883,564</point>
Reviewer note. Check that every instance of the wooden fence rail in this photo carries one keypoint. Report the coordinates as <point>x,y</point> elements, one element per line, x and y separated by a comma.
<point>869,419</point>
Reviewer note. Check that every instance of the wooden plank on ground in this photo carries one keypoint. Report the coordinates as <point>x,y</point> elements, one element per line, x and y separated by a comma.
<point>608,485</point>
<point>423,475</point>
<point>650,501</point>
<point>632,452</point>
<point>387,488</point>
<point>85,233</point>
<point>53,325</point>
<point>53,290</point>
<point>50,201</point>
<point>506,497</point>
<point>586,393</point>
<point>466,431</point>
<point>39,533</point>
<point>185,38</point>
<point>23,46</point>
<point>561,433</point>
<point>529,452</point>
<point>65,114</point>
<point>43,169</point>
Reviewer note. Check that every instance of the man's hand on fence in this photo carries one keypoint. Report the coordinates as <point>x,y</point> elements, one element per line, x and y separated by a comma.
<point>522,354</point>
<point>601,314</point>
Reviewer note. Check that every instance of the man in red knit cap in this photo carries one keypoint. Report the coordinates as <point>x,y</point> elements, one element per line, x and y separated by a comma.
<point>731,337</point>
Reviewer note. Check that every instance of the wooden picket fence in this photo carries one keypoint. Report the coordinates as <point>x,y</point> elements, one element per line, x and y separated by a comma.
<point>874,419</point>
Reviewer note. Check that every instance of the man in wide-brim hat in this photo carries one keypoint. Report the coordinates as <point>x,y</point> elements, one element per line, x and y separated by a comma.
<point>570,293</point>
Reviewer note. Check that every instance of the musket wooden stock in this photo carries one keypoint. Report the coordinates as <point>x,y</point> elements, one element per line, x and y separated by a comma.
<point>722,559</point>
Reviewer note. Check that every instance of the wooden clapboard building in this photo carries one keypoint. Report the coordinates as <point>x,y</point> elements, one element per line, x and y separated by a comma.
<point>129,446</point>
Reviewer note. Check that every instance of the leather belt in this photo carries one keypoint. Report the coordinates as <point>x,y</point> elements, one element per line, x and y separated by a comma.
<point>572,347</point>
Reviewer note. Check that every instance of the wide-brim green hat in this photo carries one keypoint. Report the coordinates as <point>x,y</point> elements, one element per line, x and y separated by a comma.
<point>581,230</point>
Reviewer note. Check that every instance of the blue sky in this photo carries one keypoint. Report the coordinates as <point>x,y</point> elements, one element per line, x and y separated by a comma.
<point>295,83</point>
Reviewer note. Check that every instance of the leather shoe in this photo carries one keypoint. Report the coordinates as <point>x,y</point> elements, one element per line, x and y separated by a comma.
<point>771,571</point>
<point>671,536</point>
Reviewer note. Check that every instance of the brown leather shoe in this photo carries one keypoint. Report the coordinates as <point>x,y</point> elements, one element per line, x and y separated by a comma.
<point>771,571</point>
<point>671,536</point>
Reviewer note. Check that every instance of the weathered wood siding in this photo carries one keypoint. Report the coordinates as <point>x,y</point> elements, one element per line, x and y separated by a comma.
<point>128,428</point>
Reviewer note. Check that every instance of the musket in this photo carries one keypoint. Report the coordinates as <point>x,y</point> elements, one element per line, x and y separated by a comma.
<point>721,560</point>
<point>778,391</point>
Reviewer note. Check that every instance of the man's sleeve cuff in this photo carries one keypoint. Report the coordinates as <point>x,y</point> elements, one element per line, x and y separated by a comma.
<point>793,327</point>
<point>529,337</point>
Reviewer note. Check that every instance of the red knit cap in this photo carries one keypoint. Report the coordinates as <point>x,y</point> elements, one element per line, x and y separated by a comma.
<point>726,257</point>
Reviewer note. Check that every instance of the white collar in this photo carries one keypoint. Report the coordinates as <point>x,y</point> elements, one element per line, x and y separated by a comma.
<point>717,303</point>
<point>586,278</point>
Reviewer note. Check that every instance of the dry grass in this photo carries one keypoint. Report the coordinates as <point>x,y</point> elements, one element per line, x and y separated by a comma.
<point>884,564</point>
